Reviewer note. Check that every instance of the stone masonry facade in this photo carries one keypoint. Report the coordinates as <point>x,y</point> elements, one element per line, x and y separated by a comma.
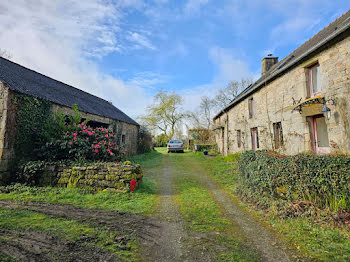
<point>273,106</point>
<point>8,129</point>
<point>8,112</point>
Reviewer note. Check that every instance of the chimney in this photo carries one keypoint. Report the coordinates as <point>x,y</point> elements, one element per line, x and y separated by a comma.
<point>267,62</point>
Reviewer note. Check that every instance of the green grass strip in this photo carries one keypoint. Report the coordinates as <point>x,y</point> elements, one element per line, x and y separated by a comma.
<point>198,208</point>
<point>140,202</point>
<point>203,215</point>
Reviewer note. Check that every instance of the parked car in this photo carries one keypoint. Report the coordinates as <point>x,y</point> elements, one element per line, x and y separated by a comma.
<point>175,146</point>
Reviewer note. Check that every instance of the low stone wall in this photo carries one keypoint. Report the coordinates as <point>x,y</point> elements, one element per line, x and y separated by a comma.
<point>115,177</point>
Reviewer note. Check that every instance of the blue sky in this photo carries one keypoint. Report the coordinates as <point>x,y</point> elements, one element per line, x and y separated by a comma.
<point>125,51</point>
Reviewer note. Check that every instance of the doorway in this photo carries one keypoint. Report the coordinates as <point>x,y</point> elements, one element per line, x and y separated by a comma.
<point>254,138</point>
<point>320,135</point>
<point>223,140</point>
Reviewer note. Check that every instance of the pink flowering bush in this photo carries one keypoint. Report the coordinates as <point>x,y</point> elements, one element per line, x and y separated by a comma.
<point>92,143</point>
<point>86,142</point>
<point>78,141</point>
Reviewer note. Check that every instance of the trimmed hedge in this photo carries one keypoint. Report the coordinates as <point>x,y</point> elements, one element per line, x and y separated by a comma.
<point>324,180</point>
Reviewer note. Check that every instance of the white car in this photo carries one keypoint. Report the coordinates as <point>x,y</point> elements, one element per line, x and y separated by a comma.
<point>175,146</point>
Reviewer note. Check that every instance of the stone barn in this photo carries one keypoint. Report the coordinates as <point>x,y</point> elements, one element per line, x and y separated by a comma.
<point>16,79</point>
<point>299,104</point>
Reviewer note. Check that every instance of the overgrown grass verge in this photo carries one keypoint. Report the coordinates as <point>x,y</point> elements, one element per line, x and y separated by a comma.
<point>315,236</point>
<point>140,202</point>
<point>68,229</point>
<point>203,215</point>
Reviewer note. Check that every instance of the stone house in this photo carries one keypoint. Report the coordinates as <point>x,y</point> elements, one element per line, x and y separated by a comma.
<point>16,79</point>
<point>300,104</point>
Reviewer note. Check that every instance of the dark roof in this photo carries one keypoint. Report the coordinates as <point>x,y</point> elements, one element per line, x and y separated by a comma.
<point>29,82</point>
<point>310,47</point>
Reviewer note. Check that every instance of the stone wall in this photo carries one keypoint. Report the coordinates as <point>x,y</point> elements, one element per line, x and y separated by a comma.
<point>8,114</point>
<point>273,103</point>
<point>130,133</point>
<point>100,177</point>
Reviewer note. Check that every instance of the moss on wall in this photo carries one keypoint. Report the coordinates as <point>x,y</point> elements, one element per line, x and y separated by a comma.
<point>114,177</point>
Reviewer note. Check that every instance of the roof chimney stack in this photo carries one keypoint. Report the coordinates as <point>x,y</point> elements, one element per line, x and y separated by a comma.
<point>267,62</point>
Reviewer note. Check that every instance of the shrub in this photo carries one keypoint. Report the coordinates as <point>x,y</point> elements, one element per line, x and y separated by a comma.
<point>83,142</point>
<point>161,140</point>
<point>206,147</point>
<point>324,180</point>
<point>145,143</point>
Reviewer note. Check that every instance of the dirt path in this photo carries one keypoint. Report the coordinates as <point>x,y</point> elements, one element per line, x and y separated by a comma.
<point>164,237</point>
<point>260,238</point>
<point>172,245</point>
<point>170,241</point>
<point>33,246</point>
<point>147,230</point>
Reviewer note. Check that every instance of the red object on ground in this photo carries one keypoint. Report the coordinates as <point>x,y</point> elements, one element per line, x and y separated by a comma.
<point>132,185</point>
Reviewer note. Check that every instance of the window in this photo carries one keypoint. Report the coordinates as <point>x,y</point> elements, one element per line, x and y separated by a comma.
<point>123,139</point>
<point>278,134</point>
<point>251,107</point>
<point>239,138</point>
<point>314,87</point>
<point>255,138</point>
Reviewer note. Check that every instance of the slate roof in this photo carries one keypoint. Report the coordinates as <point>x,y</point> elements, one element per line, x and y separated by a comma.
<point>29,82</point>
<point>310,47</point>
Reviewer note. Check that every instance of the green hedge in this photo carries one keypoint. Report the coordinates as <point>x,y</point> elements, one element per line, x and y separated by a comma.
<point>207,147</point>
<point>324,180</point>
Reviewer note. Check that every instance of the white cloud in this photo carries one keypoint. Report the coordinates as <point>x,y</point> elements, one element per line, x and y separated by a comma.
<point>141,41</point>
<point>228,68</point>
<point>147,80</point>
<point>60,39</point>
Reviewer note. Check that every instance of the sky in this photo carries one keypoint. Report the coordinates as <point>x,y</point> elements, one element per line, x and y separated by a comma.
<point>125,51</point>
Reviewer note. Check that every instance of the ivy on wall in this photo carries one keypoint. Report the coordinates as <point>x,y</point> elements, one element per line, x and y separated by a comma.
<point>323,180</point>
<point>32,114</point>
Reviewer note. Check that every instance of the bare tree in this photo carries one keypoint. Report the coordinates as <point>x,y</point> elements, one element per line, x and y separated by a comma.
<point>206,108</point>
<point>233,89</point>
<point>165,113</point>
<point>202,116</point>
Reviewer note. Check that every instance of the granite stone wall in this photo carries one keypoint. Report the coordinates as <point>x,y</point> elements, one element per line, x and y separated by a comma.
<point>100,177</point>
<point>273,102</point>
<point>8,128</point>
